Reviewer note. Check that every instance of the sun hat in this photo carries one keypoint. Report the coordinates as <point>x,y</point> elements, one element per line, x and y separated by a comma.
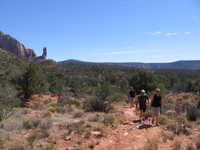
<point>157,90</point>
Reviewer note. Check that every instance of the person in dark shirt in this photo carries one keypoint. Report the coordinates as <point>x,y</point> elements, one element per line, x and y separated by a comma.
<point>156,105</point>
<point>131,97</point>
<point>143,100</point>
<point>198,105</point>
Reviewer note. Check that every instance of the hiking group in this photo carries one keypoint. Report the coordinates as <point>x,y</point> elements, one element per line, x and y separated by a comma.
<point>146,106</point>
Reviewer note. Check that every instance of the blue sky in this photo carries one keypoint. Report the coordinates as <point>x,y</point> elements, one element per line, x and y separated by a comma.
<point>106,30</point>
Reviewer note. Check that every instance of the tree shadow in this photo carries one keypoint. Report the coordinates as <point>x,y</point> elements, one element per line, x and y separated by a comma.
<point>137,121</point>
<point>144,126</point>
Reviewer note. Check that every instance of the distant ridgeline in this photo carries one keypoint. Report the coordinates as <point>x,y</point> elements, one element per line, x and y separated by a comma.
<point>180,65</point>
<point>185,65</point>
<point>11,45</point>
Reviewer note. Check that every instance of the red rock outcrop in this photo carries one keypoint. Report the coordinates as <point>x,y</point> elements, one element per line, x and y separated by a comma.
<point>10,44</point>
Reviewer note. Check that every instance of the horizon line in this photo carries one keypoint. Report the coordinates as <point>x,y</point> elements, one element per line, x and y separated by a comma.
<point>126,62</point>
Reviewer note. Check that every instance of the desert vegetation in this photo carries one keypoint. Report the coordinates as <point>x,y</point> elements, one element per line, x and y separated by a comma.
<point>45,105</point>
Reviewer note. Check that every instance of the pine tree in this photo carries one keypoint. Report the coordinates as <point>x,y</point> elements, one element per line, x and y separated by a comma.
<point>33,81</point>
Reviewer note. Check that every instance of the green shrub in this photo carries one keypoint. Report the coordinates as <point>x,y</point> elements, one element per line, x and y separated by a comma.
<point>12,123</point>
<point>61,110</point>
<point>45,123</point>
<point>178,128</point>
<point>193,113</point>
<point>5,113</point>
<point>78,114</point>
<point>76,127</point>
<point>8,100</point>
<point>101,102</point>
<point>31,123</point>
<point>163,120</point>
<point>87,135</point>
<point>67,102</point>
<point>148,80</point>
<point>103,91</point>
<point>33,81</point>
<point>98,105</point>
<point>37,134</point>
<point>46,114</point>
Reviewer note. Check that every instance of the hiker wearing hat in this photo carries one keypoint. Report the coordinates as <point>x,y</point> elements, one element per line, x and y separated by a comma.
<point>156,105</point>
<point>143,100</point>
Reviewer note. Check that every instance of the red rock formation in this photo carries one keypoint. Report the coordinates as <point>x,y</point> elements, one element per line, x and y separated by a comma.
<point>10,44</point>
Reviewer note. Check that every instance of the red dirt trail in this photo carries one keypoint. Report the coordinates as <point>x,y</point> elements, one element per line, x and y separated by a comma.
<point>128,136</point>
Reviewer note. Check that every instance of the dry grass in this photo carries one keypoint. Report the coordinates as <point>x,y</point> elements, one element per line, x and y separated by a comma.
<point>177,145</point>
<point>46,114</point>
<point>31,123</point>
<point>165,135</point>
<point>12,124</point>
<point>16,144</point>
<point>164,120</point>
<point>152,144</point>
<point>40,129</point>
<point>87,135</point>
<point>37,134</point>
<point>95,117</point>
<point>78,114</point>
<point>109,119</point>
<point>45,123</point>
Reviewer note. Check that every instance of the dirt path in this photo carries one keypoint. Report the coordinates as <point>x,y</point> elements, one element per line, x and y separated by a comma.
<point>128,136</point>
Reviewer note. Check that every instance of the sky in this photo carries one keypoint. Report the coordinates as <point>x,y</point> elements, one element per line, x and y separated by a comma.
<point>106,30</point>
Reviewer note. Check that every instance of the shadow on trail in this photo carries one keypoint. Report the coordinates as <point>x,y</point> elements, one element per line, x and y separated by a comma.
<point>144,126</point>
<point>137,121</point>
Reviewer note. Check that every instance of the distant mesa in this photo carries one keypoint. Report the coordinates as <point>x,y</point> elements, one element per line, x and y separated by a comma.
<point>12,45</point>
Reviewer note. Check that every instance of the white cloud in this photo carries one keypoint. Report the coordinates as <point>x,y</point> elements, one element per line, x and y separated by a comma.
<point>128,51</point>
<point>119,52</point>
<point>187,33</point>
<point>167,34</point>
<point>154,33</point>
<point>171,34</point>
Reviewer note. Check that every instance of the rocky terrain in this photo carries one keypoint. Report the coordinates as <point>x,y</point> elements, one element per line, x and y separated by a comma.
<point>12,45</point>
<point>47,124</point>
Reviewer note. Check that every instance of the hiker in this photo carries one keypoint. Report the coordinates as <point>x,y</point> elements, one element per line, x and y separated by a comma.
<point>131,97</point>
<point>198,105</point>
<point>143,100</point>
<point>156,105</point>
<point>61,98</point>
